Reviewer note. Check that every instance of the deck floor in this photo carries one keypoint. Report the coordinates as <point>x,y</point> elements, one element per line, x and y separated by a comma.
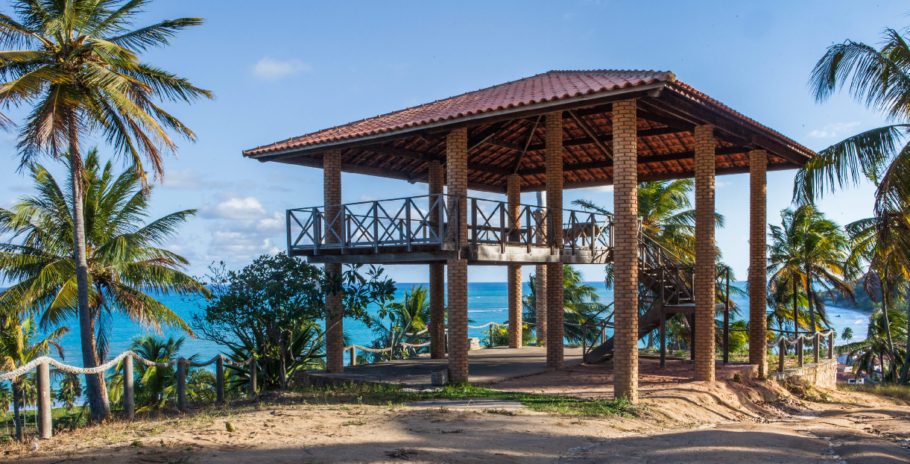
<point>485,366</point>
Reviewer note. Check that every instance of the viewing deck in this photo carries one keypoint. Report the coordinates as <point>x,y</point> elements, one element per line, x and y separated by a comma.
<point>425,229</point>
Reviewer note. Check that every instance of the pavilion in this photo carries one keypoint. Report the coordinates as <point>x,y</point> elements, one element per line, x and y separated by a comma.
<point>553,131</point>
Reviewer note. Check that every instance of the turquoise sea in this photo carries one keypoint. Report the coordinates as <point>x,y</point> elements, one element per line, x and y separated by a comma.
<point>487,302</point>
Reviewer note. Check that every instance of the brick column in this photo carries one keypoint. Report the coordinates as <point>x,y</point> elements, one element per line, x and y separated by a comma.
<point>540,280</point>
<point>457,179</point>
<point>555,329</point>
<point>705,296</point>
<point>334,311</point>
<point>625,242</point>
<point>513,193</point>
<point>437,276</point>
<point>758,252</point>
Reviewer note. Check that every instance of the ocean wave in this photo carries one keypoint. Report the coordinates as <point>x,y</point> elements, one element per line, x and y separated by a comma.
<point>487,310</point>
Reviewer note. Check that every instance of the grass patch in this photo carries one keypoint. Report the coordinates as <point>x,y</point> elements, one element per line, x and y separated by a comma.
<point>900,392</point>
<point>392,396</point>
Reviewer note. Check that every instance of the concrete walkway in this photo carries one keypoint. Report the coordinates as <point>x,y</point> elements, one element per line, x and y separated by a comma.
<point>486,366</point>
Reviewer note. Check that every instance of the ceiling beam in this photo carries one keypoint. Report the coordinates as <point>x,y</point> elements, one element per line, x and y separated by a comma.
<point>592,135</point>
<point>486,134</point>
<point>723,151</point>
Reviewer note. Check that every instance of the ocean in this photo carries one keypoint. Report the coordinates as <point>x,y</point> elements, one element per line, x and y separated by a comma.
<point>487,302</point>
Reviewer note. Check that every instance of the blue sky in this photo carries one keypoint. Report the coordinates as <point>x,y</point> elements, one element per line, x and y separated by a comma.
<point>281,69</point>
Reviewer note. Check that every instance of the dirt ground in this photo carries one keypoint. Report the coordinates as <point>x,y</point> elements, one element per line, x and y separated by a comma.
<point>737,420</point>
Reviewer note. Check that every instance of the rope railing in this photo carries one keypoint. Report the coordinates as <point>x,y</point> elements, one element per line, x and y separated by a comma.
<point>783,342</point>
<point>43,363</point>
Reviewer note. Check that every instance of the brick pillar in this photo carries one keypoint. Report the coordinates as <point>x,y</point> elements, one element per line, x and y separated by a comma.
<point>334,311</point>
<point>625,242</point>
<point>540,280</point>
<point>513,192</point>
<point>705,296</point>
<point>457,179</point>
<point>758,245</point>
<point>437,276</point>
<point>555,329</point>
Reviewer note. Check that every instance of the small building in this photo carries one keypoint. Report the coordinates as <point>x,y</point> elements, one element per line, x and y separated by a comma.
<point>550,132</point>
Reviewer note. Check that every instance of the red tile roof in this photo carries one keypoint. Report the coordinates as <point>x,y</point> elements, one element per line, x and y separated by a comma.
<point>550,86</point>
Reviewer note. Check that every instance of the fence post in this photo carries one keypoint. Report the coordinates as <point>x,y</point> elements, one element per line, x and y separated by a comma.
<point>219,379</point>
<point>584,341</point>
<point>253,375</point>
<point>181,385</point>
<point>816,345</point>
<point>727,319</point>
<point>492,328</point>
<point>45,422</point>
<point>781,354</point>
<point>129,404</point>
<point>831,345</point>
<point>353,356</point>
<point>799,351</point>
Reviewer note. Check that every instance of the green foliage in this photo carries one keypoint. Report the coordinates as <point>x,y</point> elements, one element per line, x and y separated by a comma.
<point>19,345</point>
<point>847,335</point>
<point>124,258</point>
<point>399,323</point>
<point>580,304</point>
<point>269,309</point>
<point>154,387</point>
<point>69,391</point>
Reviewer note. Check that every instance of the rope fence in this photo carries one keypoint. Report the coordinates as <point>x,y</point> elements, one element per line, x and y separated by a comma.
<point>43,363</point>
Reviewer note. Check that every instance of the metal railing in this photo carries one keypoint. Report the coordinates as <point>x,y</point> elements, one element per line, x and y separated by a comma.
<point>434,220</point>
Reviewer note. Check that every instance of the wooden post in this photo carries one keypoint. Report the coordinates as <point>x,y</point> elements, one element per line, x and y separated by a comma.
<point>129,404</point>
<point>219,379</point>
<point>831,345</point>
<point>781,354</point>
<point>253,374</point>
<point>816,345</point>
<point>45,420</point>
<point>353,356</point>
<point>799,351</point>
<point>662,332</point>
<point>181,385</point>
<point>584,341</point>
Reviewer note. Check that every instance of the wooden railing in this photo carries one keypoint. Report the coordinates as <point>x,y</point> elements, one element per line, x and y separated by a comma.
<point>433,220</point>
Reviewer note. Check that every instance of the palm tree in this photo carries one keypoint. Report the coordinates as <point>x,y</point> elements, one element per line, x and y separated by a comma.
<point>581,304</point>
<point>124,260</point>
<point>808,250</point>
<point>77,64</point>
<point>154,386</point>
<point>876,346</point>
<point>406,319</point>
<point>18,346</point>
<point>70,390</point>
<point>666,214</point>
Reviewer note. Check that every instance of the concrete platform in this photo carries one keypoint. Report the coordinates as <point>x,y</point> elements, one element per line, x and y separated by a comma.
<point>486,366</point>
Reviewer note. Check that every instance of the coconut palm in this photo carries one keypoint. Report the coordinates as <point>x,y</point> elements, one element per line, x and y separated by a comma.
<point>77,64</point>
<point>153,386</point>
<point>581,304</point>
<point>19,345</point>
<point>70,390</point>
<point>405,320</point>
<point>666,214</point>
<point>808,250</point>
<point>876,346</point>
<point>124,259</point>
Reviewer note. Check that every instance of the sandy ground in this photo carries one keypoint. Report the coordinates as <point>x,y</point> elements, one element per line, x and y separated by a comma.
<point>739,421</point>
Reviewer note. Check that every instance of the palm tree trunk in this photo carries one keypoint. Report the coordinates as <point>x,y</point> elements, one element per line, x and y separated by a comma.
<point>887,333</point>
<point>906,366</point>
<point>17,418</point>
<point>809,295</point>
<point>99,407</point>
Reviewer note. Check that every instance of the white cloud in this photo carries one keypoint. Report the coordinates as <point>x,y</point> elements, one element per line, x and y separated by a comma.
<point>721,184</point>
<point>238,247</point>
<point>235,208</point>
<point>271,69</point>
<point>604,188</point>
<point>834,130</point>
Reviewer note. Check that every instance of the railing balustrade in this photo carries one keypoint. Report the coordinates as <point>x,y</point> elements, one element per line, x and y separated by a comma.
<point>433,220</point>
